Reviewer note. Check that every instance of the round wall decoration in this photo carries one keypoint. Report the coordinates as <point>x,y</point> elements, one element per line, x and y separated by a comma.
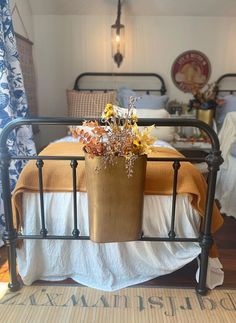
<point>191,68</point>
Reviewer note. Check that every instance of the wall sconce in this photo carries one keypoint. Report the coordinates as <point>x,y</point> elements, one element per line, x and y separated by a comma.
<point>118,35</point>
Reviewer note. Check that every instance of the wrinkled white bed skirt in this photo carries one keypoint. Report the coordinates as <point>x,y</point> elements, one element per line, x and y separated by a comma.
<point>226,178</point>
<point>226,188</point>
<point>108,266</point>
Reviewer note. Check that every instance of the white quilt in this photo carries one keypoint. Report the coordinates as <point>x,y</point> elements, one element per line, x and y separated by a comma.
<point>226,178</point>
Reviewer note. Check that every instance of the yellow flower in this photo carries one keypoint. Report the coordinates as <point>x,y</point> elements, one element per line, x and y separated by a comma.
<point>108,114</point>
<point>137,143</point>
<point>108,107</point>
<point>108,111</point>
<point>134,118</point>
<point>143,140</point>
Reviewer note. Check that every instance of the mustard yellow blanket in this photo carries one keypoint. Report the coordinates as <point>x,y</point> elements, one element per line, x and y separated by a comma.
<point>57,177</point>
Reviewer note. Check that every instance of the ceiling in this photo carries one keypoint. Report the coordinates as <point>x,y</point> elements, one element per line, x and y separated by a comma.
<point>203,8</point>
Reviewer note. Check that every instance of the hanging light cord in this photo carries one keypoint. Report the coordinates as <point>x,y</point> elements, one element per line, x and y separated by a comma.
<point>118,13</point>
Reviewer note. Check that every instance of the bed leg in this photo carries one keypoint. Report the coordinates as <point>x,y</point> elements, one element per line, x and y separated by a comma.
<point>213,160</point>
<point>10,234</point>
<point>10,243</point>
<point>205,244</point>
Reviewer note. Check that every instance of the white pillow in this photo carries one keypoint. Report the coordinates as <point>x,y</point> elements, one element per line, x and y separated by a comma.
<point>152,113</point>
<point>161,133</point>
<point>145,101</point>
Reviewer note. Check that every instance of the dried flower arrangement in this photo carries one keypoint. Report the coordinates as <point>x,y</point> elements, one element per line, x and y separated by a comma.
<point>118,135</point>
<point>205,99</point>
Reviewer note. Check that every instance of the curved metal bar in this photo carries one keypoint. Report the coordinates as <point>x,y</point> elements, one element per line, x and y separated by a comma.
<point>39,121</point>
<point>225,76</point>
<point>144,122</point>
<point>222,77</point>
<point>162,89</point>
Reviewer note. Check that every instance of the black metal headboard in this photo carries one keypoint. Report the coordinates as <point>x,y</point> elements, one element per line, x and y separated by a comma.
<point>157,81</point>
<point>227,83</point>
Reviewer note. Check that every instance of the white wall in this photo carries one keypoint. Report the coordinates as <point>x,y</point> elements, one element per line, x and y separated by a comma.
<point>66,46</point>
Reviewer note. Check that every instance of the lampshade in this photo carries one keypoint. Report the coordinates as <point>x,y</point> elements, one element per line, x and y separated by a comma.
<point>117,36</point>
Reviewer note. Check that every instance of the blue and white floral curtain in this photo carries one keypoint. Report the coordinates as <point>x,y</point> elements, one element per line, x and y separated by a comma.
<point>13,101</point>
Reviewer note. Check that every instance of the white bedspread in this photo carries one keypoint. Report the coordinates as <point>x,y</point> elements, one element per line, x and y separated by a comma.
<point>109,266</point>
<point>226,178</point>
<point>158,143</point>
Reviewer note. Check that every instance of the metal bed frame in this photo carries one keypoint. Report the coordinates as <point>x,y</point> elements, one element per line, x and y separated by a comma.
<point>221,79</point>
<point>11,236</point>
<point>160,84</point>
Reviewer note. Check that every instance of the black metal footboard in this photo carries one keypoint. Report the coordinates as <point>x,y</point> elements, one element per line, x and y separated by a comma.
<point>11,235</point>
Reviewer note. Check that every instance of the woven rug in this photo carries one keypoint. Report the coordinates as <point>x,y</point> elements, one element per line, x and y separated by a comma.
<point>132,305</point>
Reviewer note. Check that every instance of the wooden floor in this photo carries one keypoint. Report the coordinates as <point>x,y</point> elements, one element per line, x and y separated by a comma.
<point>185,277</point>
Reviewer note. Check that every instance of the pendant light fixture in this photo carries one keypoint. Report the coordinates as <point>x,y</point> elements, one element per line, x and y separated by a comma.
<point>117,34</point>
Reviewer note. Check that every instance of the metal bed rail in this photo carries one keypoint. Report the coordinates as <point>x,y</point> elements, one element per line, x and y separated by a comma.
<point>11,235</point>
<point>160,87</point>
<point>226,77</point>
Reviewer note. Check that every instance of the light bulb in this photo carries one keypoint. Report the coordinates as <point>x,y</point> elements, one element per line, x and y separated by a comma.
<point>117,38</point>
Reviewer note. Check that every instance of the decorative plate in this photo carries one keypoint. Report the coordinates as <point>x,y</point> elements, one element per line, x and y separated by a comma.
<point>189,69</point>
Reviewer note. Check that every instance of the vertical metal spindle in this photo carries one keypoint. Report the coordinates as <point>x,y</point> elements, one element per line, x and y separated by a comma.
<point>43,230</point>
<point>176,166</point>
<point>75,231</point>
<point>213,160</point>
<point>10,233</point>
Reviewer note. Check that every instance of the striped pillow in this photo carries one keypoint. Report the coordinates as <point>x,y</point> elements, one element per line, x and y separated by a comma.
<point>88,104</point>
